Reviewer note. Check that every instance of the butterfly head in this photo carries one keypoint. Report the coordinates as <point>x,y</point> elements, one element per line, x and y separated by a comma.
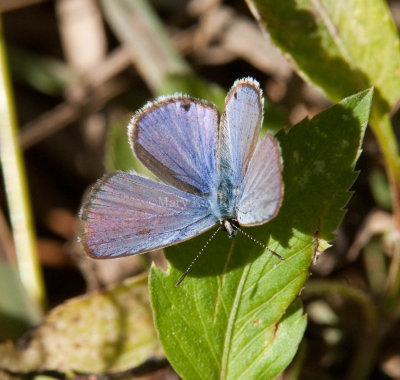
<point>230,225</point>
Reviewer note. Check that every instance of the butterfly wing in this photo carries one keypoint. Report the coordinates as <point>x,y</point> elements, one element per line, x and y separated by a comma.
<point>175,138</point>
<point>128,214</point>
<point>239,130</point>
<point>262,190</point>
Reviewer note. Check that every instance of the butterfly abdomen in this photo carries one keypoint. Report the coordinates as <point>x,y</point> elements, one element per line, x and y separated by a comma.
<point>226,197</point>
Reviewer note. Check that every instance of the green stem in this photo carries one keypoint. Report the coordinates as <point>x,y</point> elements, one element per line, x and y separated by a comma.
<point>16,189</point>
<point>383,130</point>
<point>392,301</point>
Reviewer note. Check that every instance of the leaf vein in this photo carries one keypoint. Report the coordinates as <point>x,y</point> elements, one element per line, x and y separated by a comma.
<point>330,25</point>
<point>231,320</point>
<point>264,304</point>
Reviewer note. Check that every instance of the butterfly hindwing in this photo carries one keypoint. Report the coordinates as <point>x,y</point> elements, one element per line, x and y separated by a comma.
<point>129,214</point>
<point>261,193</point>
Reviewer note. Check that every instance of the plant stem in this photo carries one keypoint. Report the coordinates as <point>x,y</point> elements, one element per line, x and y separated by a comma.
<point>383,130</point>
<point>392,302</point>
<point>16,189</point>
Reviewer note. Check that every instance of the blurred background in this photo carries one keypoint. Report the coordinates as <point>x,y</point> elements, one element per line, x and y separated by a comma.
<point>80,69</point>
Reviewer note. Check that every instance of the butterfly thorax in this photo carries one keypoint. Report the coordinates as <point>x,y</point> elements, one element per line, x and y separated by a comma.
<point>224,199</point>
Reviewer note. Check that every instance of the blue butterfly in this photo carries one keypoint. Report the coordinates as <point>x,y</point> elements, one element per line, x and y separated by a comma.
<point>213,170</point>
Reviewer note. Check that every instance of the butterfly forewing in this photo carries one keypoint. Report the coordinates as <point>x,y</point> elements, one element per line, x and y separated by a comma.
<point>128,214</point>
<point>240,128</point>
<point>175,137</point>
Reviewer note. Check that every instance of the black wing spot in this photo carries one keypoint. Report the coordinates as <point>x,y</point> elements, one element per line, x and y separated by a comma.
<point>235,95</point>
<point>186,106</point>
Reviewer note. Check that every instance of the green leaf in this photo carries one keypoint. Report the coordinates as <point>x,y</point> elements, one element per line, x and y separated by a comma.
<point>380,189</point>
<point>47,75</point>
<point>342,46</point>
<point>107,331</point>
<point>222,322</point>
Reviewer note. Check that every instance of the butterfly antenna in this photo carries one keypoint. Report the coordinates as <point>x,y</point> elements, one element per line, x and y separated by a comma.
<point>259,243</point>
<point>197,256</point>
